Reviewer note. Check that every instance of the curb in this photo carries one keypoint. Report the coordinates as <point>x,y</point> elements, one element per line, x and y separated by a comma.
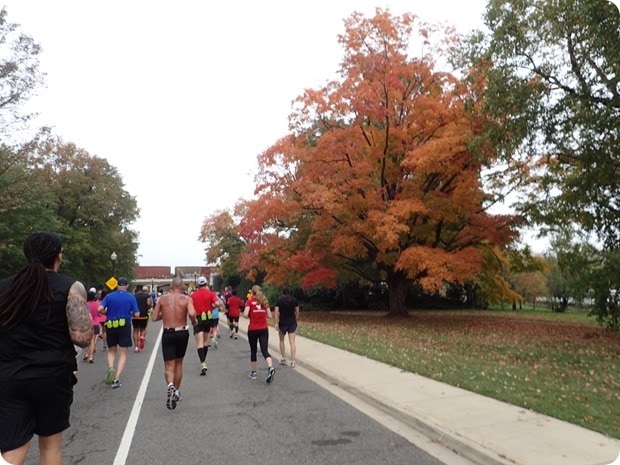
<point>437,434</point>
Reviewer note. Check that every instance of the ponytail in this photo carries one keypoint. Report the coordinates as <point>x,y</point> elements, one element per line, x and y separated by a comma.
<point>262,298</point>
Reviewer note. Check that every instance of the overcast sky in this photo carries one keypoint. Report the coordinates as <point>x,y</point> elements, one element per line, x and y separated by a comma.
<point>182,96</point>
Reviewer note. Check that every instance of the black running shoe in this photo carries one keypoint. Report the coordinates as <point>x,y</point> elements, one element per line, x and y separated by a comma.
<point>270,375</point>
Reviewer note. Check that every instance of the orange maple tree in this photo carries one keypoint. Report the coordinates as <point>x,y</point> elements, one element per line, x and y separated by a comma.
<point>375,179</point>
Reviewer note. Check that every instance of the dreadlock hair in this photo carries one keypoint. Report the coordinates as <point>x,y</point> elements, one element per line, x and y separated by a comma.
<point>31,283</point>
<point>262,298</point>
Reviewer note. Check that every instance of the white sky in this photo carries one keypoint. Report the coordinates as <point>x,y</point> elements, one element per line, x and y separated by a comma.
<point>182,96</point>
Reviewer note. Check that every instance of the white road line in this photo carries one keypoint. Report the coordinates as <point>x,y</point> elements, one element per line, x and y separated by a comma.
<point>130,429</point>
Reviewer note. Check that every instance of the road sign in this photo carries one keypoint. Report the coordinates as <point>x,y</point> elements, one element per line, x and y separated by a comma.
<point>112,283</point>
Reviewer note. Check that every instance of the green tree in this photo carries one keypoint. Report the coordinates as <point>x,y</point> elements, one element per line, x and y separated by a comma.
<point>557,284</point>
<point>95,212</point>
<point>573,266</point>
<point>553,72</point>
<point>48,184</point>
<point>552,101</point>
<point>19,77</point>
<point>606,285</point>
<point>24,209</point>
<point>24,199</point>
<point>224,245</point>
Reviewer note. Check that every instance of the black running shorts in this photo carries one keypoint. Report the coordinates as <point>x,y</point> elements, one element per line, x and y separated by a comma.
<point>174,344</point>
<point>139,323</point>
<point>202,327</point>
<point>119,336</point>
<point>38,406</point>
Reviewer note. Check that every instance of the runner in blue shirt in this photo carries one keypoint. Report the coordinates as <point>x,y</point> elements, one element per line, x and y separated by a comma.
<point>119,307</point>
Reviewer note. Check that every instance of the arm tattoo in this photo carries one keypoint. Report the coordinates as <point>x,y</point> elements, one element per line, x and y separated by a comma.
<point>78,316</point>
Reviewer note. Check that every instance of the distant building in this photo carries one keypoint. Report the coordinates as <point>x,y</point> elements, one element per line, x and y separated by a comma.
<point>190,274</point>
<point>152,272</point>
<point>158,278</point>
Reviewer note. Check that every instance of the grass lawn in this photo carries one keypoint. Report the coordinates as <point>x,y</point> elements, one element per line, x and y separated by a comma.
<point>561,365</point>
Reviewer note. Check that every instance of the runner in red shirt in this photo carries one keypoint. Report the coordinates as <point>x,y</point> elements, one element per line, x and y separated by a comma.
<point>204,300</point>
<point>258,311</point>
<point>233,304</point>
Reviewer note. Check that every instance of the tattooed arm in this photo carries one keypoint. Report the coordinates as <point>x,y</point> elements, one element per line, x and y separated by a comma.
<point>78,316</point>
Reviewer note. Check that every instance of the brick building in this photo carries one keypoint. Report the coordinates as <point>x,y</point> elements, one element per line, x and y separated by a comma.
<point>159,277</point>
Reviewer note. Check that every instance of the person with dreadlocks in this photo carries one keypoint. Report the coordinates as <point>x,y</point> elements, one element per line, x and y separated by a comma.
<point>42,315</point>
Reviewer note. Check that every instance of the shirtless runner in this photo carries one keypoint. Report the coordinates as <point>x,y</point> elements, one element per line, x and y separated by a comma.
<point>173,309</point>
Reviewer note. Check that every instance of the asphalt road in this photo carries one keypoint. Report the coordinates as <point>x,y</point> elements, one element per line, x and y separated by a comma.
<point>224,417</point>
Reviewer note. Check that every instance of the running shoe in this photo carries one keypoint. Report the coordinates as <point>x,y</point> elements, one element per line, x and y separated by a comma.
<point>109,378</point>
<point>214,343</point>
<point>293,364</point>
<point>171,401</point>
<point>270,375</point>
<point>137,349</point>
<point>142,341</point>
<point>91,360</point>
<point>177,395</point>
<point>203,369</point>
<point>235,337</point>
<point>282,361</point>
<point>231,335</point>
<point>253,375</point>
<point>116,384</point>
<point>85,357</point>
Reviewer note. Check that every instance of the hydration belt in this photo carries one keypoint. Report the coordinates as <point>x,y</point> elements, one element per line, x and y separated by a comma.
<point>115,323</point>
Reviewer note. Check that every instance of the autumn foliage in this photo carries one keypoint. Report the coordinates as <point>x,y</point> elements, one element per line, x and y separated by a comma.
<point>376,179</point>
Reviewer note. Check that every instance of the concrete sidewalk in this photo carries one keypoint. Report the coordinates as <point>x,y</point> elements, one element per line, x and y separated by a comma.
<point>484,430</point>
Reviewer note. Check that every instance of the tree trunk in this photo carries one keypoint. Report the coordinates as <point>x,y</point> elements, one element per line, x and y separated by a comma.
<point>397,292</point>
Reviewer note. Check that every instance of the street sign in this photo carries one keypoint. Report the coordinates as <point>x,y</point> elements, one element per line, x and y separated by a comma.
<point>112,283</point>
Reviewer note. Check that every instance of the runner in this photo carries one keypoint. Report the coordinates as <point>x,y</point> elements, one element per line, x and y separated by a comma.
<point>204,300</point>
<point>43,313</point>
<point>93,306</point>
<point>258,311</point>
<point>139,323</point>
<point>215,319</point>
<point>286,314</point>
<point>234,304</point>
<point>173,309</point>
<point>119,306</point>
